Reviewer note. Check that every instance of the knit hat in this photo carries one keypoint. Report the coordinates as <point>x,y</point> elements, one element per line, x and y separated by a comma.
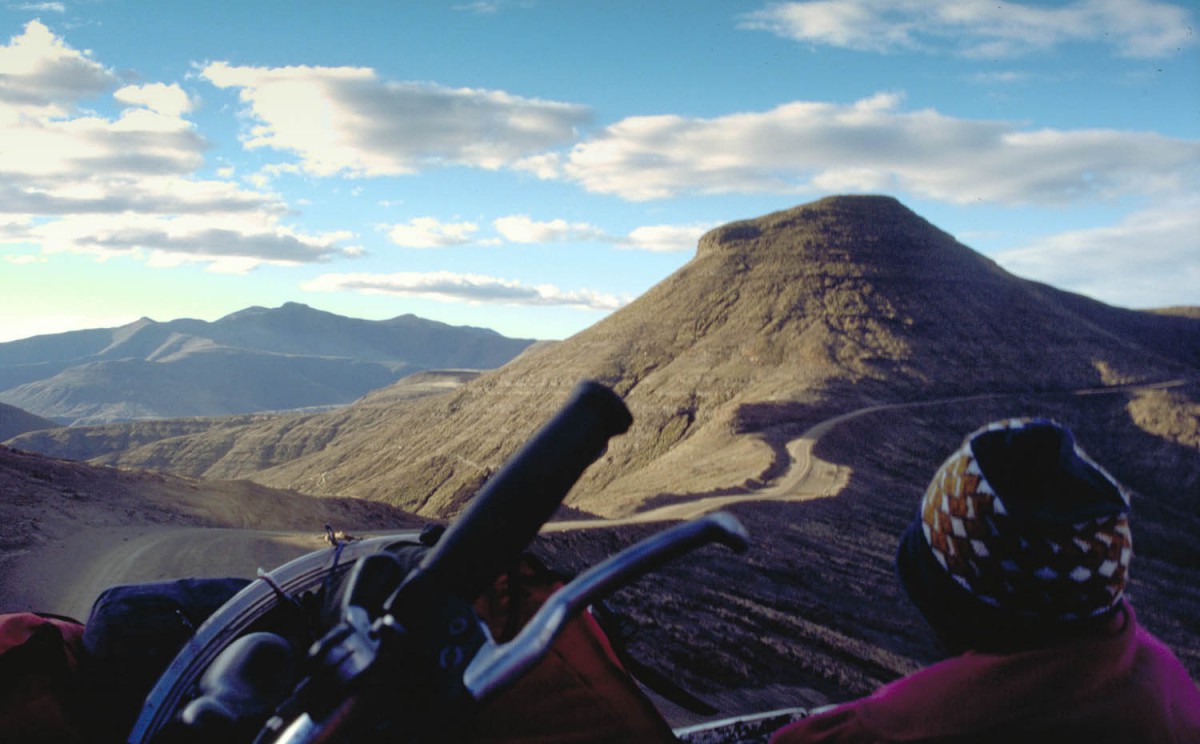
<point>1021,519</point>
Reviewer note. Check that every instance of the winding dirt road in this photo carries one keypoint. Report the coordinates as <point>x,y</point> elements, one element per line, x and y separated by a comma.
<point>805,477</point>
<point>809,477</point>
<point>67,577</point>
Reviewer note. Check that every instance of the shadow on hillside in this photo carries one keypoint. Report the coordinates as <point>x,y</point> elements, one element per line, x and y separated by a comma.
<point>774,424</point>
<point>893,453</point>
<point>815,602</point>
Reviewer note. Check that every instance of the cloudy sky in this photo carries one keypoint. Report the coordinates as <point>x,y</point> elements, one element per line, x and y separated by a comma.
<point>532,165</point>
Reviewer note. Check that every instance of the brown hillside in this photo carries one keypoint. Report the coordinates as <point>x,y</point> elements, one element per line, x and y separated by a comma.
<point>43,499</point>
<point>14,421</point>
<point>224,446</point>
<point>829,306</point>
<point>46,504</point>
<point>815,604</point>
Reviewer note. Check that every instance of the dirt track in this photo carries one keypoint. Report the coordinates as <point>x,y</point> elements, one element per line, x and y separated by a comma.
<point>66,577</point>
<point>806,476</point>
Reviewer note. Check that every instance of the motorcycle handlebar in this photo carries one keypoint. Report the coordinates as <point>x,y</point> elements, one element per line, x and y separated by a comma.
<point>513,505</point>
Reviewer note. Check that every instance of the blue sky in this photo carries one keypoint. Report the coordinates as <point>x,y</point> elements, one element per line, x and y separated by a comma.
<point>531,166</point>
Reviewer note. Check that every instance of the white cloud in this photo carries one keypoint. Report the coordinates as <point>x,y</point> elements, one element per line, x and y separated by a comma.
<point>873,145</point>
<point>137,143</point>
<point>344,120</point>
<point>42,7</point>
<point>492,7</point>
<point>1136,28</point>
<point>29,195</point>
<point>37,69</point>
<point>480,7</point>
<point>168,100</point>
<point>472,288</point>
<point>1001,77</point>
<point>520,228</point>
<point>1150,259</point>
<point>242,241</point>
<point>668,238</point>
<point>75,181</point>
<point>546,166</point>
<point>428,232</point>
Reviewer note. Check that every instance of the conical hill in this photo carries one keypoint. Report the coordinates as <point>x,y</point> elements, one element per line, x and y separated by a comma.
<point>837,304</point>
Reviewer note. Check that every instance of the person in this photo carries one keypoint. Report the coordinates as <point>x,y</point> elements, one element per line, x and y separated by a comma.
<point>1018,559</point>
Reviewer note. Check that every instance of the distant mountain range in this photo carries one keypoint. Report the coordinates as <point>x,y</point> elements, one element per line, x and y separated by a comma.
<point>257,359</point>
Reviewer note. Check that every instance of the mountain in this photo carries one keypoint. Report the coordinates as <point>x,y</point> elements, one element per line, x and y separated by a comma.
<point>257,359</point>
<point>14,421</point>
<point>847,342</point>
<point>846,302</point>
<point>842,303</point>
<point>225,446</point>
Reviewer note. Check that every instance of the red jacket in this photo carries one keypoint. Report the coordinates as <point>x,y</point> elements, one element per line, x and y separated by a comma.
<point>1122,687</point>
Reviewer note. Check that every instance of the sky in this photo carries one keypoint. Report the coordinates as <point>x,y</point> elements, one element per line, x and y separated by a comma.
<point>533,165</point>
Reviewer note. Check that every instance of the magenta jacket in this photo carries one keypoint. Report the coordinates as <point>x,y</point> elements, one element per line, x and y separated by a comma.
<point>1122,687</point>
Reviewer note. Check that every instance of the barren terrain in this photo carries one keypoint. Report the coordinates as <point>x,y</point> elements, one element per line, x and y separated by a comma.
<point>807,371</point>
<point>811,614</point>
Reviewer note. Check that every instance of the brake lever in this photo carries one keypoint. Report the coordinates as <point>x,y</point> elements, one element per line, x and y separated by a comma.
<point>350,652</point>
<point>497,665</point>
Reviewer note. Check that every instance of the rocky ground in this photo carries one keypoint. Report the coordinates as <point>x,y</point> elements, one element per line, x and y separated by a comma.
<point>810,614</point>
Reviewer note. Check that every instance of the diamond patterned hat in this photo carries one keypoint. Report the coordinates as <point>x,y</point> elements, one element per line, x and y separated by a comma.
<point>1021,518</point>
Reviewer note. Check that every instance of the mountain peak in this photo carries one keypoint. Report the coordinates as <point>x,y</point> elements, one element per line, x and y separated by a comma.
<point>858,221</point>
<point>860,291</point>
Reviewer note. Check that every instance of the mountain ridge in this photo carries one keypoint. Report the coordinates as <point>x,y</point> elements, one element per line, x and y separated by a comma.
<point>252,360</point>
<point>834,305</point>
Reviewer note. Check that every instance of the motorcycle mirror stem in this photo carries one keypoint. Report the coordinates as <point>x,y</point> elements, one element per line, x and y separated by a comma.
<point>497,665</point>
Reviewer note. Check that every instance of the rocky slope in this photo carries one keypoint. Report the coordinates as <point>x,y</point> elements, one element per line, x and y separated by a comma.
<point>837,304</point>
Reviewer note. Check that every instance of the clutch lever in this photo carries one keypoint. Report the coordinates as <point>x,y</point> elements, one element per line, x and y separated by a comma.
<point>496,665</point>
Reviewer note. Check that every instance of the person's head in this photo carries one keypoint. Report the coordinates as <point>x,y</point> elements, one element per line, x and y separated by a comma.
<point>1021,540</point>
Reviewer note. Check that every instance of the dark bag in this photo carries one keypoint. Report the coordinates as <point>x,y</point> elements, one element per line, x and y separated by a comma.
<point>39,661</point>
<point>132,635</point>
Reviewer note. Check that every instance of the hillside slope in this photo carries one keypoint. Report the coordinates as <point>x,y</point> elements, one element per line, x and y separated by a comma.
<point>14,421</point>
<point>829,306</point>
<point>222,446</point>
<point>844,302</point>
<point>257,359</point>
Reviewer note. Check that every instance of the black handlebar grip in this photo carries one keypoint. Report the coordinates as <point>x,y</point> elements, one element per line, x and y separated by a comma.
<point>513,505</point>
<point>244,683</point>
